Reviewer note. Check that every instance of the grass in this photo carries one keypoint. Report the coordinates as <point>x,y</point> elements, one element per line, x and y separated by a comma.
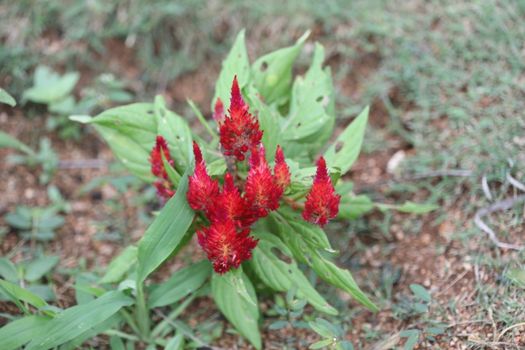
<point>448,76</point>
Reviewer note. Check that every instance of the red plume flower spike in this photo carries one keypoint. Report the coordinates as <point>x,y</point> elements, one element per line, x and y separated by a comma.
<point>218,113</point>
<point>157,165</point>
<point>322,202</point>
<point>225,247</point>
<point>163,185</point>
<point>281,171</point>
<point>239,131</point>
<point>230,206</point>
<point>202,189</point>
<point>261,190</point>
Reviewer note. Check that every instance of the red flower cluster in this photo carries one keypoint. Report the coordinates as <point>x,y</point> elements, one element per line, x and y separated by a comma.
<point>163,184</point>
<point>322,203</point>
<point>227,241</point>
<point>239,130</point>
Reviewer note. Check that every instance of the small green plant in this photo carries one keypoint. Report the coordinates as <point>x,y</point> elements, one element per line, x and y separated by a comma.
<point>332,334</point>
<point>289,310</point>
<point>30,274</point>
<point>35,224</point>
<point>417,306</point>
<point>45,158</point>
<point>56,92</point>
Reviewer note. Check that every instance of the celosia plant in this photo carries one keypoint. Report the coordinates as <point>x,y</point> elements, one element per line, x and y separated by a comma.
<point>262,184</point>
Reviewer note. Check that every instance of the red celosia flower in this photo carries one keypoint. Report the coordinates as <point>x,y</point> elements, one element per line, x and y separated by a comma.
<point>164,189</point>
<point>322,203</point>
<point>218,113</point>
<point>229,206</point>
<point>261,191</point>
<point>202,189</point>
<point>239,131</point>
<point>157,165</point>
<point>281,172</point>
<point>163,185</point>
<point>224,246</point>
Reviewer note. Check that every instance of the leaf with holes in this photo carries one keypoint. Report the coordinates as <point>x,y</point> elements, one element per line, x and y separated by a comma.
<point>130,132</point>
<point>311,117</point>
<point>176,132</point>
<point>272,73</point>
<point>281,275</point>
<point>270,123</point>
<point>344,151</point>
<point>306,252</point>
<point>242,313</point>
<point>236,63</point>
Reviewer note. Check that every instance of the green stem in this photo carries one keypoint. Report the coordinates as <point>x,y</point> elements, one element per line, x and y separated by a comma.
<point>130,321</point>
<point>142,312</point>
<point>202,120</point>
<point>160,328</point>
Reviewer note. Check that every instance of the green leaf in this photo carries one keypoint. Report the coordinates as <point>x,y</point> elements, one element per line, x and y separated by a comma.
<point>281,275</point>
<point>37,268</point>
<point>421,292</point>
<point>176,132</point>
<point>120,265</point>
<point>409,207</point>
<point>272,73</point>
<point>17,333</point>
<point>76,320</point>
<point>165,233</point>
<point>180,284</point>
<point>7,99</point>
<point>176,343</point>
<point>8,141</point>
<point>306,252</point>
<point>312,109</point>
<point>344,151</point>
<point>17,293</point>
<point>353,207</point>
<point>321,344</point>
<point>340,278</point>
<point>116,343</point>
<point>269,121</point>
<point>50,86</point>
<point>412,336</point>
<point>76,342</point>
<point>8,270</point>
<point>323,328</point>
<point>241,313</point>
<point>236,63</point>
<point>130,132</point>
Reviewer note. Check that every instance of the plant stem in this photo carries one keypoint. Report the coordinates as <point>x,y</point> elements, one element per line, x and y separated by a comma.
<point>159,329</point>
<point>202,120</point>
<point>130,321</point>
<point>142,313</point>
